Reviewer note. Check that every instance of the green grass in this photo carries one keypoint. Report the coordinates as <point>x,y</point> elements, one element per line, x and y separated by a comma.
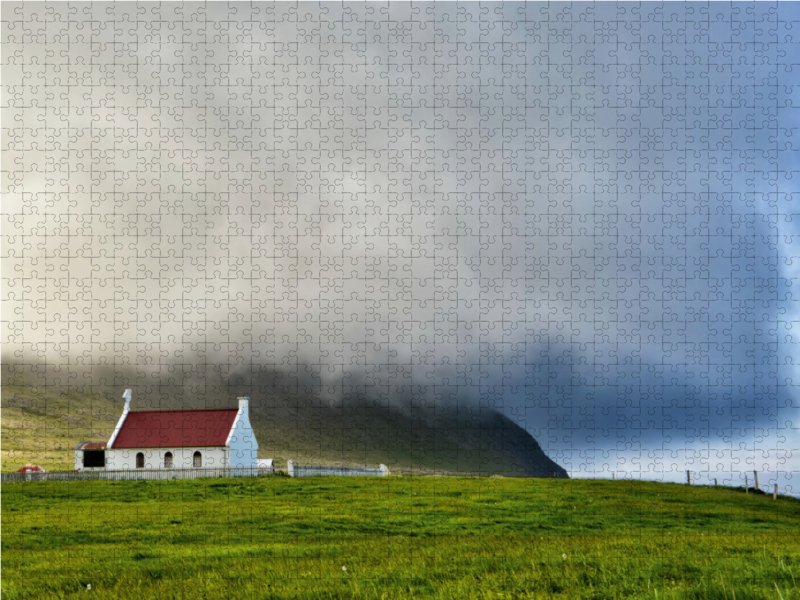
<point>397,537</point>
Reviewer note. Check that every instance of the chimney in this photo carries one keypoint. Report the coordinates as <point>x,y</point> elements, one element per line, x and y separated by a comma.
<point>244,402</point>
<point>125,411</point>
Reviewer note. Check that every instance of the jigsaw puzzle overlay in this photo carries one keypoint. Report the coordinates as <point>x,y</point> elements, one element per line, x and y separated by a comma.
<point>581,216</point>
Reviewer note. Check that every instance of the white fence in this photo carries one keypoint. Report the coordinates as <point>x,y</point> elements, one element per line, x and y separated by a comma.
<point>169,474</point>
<point>135,474</point>
<point>309,471</point>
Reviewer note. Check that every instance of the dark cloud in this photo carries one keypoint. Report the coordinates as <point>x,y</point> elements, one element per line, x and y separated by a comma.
<point>580,215</point>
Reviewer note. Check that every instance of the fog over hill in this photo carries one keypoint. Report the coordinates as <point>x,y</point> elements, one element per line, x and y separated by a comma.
<point>291,421</point>
<point>579,216</point>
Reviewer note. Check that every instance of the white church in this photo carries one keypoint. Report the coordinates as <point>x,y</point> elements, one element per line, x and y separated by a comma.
<point>174,439</point>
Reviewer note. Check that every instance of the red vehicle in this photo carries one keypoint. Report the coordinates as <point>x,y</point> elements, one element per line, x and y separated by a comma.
<point>31,469</point>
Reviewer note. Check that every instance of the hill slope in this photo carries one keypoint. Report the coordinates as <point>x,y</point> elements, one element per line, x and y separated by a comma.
<point>41,424</point>
<point>465,440</point>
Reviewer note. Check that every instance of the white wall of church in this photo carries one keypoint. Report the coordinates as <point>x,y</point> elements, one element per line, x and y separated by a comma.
<point>242,442</point>
<point>154,458</point>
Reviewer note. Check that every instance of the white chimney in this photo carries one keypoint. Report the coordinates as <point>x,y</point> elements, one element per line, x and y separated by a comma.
<point>125,411</point>
<point>244,402</point>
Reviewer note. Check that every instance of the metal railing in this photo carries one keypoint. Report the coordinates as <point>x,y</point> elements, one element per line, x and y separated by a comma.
<point>313,471</point>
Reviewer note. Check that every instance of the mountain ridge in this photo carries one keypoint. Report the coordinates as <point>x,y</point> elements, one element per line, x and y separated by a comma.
<point>42,421</point>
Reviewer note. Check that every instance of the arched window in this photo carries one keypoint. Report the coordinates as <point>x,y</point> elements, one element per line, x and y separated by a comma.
<point>140,460</point>
<point>168,460</point>
<point>198,460</point>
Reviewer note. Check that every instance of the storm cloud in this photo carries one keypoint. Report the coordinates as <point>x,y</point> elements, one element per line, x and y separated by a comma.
<point>581,215</point>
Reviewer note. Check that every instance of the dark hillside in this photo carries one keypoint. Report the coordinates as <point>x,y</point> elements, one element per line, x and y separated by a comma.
<point>45,414</point>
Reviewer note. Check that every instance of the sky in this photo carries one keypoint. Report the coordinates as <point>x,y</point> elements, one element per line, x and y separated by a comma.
<point>582,215</point>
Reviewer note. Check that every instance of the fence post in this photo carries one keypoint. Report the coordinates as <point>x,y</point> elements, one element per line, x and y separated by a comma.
<point>715,482</point>
<point>613,476</point>
<point>775,493</point>
<point>755,475</point>
<point>290,465</point>
<point>745,484</point>
<point>688,477</point>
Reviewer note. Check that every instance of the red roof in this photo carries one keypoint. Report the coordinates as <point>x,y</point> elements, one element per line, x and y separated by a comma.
<point>28,468</point>
<point>176,428</point>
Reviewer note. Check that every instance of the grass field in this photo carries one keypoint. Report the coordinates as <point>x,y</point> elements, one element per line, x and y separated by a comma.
<point>396,537</point>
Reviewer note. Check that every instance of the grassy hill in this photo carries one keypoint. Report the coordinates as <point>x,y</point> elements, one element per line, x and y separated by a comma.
<point>396,537</point>
<point>43,420</point>
<point>42,424</point>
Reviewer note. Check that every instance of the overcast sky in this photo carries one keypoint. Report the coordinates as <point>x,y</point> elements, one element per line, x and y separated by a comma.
<point>582,215</point>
